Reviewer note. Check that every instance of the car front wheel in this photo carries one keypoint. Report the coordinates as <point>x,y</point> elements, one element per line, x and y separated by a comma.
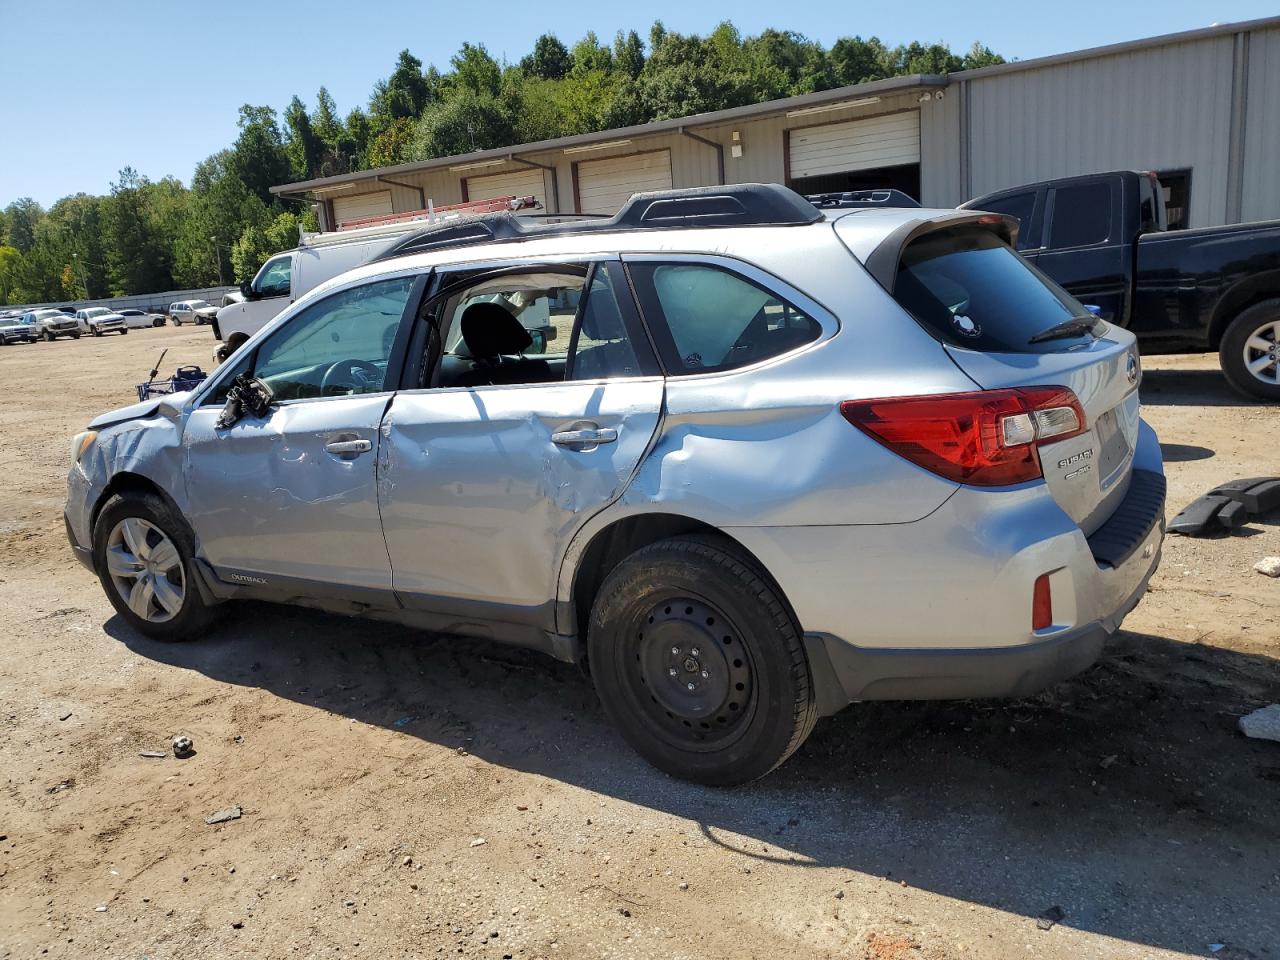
<point>143,554</point>
<point>699,663</point>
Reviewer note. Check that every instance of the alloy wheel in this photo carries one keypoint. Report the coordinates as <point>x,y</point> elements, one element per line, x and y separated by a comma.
<point>146,569</point>
<point>1262,353</point>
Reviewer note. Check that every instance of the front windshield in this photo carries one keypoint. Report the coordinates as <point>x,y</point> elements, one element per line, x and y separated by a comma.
<point>46,314</point>
<point>96,311</point>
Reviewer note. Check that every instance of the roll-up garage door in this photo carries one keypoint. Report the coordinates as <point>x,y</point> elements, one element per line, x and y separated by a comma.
<point>346,209</point>
<point>519,183</point>
<point>605,185</point>
<point>887,141</point>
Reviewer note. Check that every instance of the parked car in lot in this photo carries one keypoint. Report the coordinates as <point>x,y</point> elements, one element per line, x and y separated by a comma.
<point>1104,238</point>
<point>100,320</point>
<point>13,330</point>
<point>141,320</point>
<point>192,311</point>
<point>786,459</point>
<point>52,324</point>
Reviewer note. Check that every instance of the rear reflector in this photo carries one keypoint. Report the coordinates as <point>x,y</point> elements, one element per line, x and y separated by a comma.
<point>1041,604</point>
<point>986,438</point>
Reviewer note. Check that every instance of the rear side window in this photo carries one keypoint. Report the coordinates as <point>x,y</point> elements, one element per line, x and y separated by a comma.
<point>707,318</point>
<point>1081,215</point>
<point>966,287</point>
<point>1020,206</point>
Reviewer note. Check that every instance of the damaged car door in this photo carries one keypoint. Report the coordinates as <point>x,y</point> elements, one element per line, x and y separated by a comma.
<point>542,395</point>
<point>287,499</point>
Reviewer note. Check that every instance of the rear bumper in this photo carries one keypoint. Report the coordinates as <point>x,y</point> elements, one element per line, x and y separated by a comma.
<point>942,607</point>
<point>845,673</point>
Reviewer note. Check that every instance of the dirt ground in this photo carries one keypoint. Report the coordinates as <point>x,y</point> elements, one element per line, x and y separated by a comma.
<point>406,795</point>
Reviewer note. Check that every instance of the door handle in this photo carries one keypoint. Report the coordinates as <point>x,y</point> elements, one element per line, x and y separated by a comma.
<point>348,446</point>
<point>582,438</point>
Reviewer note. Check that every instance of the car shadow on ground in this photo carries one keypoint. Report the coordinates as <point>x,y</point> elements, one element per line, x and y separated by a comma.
<point>1191,388</point>
<point>1126,795</point>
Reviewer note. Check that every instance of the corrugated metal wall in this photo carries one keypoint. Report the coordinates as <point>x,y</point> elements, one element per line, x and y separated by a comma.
<point>1261,187</point>
<point>1161,108</point>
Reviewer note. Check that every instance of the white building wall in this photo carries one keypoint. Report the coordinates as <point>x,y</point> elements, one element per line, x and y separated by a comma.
<point>1157,108</point>
<point>1260,196</point>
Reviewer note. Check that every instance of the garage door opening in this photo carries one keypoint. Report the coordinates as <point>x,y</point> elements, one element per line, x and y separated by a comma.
<point>905,178</point>
<point>873,153</point>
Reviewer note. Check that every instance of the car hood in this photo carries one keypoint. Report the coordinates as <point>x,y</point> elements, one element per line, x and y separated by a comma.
<point>169,405</point>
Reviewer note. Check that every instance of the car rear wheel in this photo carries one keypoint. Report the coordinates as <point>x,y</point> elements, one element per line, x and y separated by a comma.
<point>1250,351</point>
<point>699,663</point>
<point>143,554</point>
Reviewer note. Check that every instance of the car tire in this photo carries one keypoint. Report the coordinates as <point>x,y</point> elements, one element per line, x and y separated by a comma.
<point>95,331</point>
<point>48,336</point>
<point>149,515</point>
<point>699,663</point>
<point>75,336</point>
<point>1254,335</point>
<point>124,333</point>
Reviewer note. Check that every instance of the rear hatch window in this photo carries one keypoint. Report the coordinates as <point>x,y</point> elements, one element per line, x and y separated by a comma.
<point>969,289</point>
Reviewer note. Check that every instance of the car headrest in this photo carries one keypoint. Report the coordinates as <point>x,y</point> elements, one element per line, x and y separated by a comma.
<point>490,329</point>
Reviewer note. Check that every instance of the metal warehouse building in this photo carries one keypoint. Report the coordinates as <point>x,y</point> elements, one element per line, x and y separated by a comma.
<point>1202,108</point>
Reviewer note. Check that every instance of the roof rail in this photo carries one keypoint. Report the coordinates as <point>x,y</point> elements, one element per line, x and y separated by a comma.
<point>736,205</point>
<point>861,199</point>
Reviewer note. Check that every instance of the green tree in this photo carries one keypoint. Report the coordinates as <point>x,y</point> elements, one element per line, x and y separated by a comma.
<point>465,122</point>
<point>10,264</point>
<point>549,60</point>
<point>301,145</point>
<point>135,259</point>
<point>980,55</point>
<point>403,95</point>
<point>854,60</point>
<point>628,54</point>
<point>590,56</point>
<point>258,156</point>
<point>475,70</point>
<point>21,218</point>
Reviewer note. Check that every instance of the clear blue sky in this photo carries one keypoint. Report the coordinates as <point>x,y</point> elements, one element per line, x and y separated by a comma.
<point>157,84</point>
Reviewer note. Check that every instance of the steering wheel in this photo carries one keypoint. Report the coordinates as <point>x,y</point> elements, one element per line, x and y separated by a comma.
<point>350,376</point>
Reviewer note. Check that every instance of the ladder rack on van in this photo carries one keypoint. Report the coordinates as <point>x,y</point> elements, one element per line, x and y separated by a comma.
<point>390,224</point>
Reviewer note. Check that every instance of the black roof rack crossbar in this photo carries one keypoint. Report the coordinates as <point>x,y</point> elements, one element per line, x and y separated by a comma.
<point>861,199</point>
<point>736,205</point>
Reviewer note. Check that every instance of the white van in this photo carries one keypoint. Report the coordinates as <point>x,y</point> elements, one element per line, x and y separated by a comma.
<point>322,256</point>
<point>287,276</point>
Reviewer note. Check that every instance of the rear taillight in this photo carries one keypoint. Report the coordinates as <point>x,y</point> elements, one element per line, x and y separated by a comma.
<point>987,438</point>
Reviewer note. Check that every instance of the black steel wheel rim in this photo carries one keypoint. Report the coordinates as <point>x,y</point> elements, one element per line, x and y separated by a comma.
<point>690,673</point>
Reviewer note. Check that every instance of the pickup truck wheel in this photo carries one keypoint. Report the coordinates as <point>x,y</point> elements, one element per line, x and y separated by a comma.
<point>75,336</point>
<point>49,336</point>
<point>142,552</point>
<point>1250,351</point>
<point>699,663</point>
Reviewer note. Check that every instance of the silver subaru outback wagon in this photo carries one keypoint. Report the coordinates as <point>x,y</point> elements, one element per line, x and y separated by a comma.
<point>748,459</point>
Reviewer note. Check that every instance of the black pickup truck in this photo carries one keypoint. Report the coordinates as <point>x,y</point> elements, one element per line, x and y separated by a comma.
<point>1104,237</point>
